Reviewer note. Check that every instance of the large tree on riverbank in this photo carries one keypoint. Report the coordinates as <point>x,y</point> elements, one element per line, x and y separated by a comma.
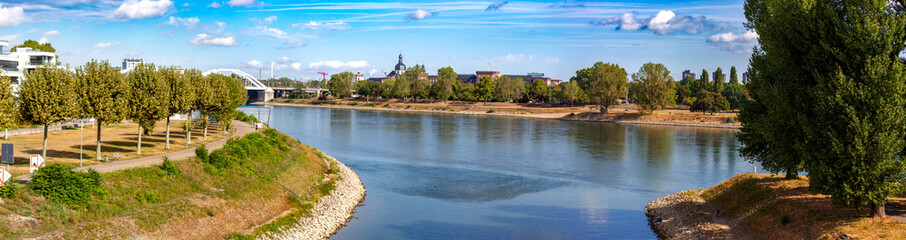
<point>605,83</point>
<point>102,92</point>
<point>182,94</point>
<point>830,91</point>
<point>48,97</point>
<point>7,105</point>
<point>652,86</point>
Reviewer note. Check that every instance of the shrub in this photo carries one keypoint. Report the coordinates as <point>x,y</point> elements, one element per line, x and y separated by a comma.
<point>731,119</point>
<point>147,197</point>
<point>168,168</point>
<point>353,104</point>
<point>387,105</point>
<point>201,153</point>
<point>408,106</point>
<point>491,111</point>
<point>218,159</point>
<point>370,105</point>
<point>10,191</point>
<point>326,188</point>
<point>58,182</point>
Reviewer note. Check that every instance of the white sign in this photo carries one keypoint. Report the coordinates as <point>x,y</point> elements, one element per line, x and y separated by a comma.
<point>35,161</point>
<point>4,176</point>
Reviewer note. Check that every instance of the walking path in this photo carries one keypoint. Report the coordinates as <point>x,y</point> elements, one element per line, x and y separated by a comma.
<point>242,129</point>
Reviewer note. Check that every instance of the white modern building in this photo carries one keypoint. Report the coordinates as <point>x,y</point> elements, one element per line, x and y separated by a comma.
<point>130,63</point>
<point>24,60</point>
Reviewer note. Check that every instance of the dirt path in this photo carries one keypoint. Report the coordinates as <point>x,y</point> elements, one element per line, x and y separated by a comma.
<point>242,129</point>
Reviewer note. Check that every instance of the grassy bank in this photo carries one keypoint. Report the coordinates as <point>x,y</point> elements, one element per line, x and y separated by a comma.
<point>230,191</point>
<point>770,207</point>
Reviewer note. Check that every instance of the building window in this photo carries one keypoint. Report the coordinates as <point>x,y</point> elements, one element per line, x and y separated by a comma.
<point>9,66</point>
<point>14,80</point>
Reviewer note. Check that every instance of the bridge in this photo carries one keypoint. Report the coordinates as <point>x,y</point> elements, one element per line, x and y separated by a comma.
<point>257,91</point>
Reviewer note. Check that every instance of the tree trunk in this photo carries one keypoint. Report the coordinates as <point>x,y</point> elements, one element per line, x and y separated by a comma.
<point>877,210</point>
<point>188,130</point>
<point>167,145</point>
<point>792,174</point>
<point>98,156</point>
<point>44,151</point>
<point>138,150</point>
<point>204,137</point>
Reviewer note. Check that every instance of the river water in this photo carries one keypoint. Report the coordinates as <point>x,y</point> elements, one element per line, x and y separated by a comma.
<point>444,176</point>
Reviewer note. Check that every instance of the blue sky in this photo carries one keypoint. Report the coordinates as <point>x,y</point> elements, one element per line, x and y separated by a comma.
<point>302,38</point>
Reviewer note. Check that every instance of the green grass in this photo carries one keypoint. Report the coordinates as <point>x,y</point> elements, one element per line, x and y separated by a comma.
<point>260,165</point>
<point>737,195</point>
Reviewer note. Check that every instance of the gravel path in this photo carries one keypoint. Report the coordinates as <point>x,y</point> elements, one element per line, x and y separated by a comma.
<point>330,213</point>
<point>242,129</point>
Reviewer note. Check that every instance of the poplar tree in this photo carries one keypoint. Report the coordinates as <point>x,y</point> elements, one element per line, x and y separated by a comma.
<point>446,79</point>
<point>340,84</point>
<point>181,97</point>
<point>8,109</point>
<point>846,86</point>
<point>148,99</point>
<point>48,97</point>
<point>102,93</point>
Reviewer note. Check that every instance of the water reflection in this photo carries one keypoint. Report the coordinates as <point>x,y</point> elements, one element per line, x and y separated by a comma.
<point>441,176</point>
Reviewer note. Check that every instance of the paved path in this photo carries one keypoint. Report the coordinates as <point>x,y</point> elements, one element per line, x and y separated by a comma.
<point>242,129</point>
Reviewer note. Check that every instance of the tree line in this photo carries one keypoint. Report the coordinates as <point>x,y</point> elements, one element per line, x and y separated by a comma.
<point>603,84</point>
<point>829,96</point>
<point>146,95</point>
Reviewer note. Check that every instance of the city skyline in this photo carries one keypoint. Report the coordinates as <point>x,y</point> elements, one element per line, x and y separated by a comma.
<point>301,39</point>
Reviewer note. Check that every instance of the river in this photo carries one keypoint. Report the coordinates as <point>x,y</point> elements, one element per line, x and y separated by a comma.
<point>445,176</point>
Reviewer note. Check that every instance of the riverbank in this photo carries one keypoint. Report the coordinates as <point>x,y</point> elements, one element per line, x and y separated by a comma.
<point>568,114</point>
<point>246,183</point>
<point>766,206</point>
<point>330,213</point>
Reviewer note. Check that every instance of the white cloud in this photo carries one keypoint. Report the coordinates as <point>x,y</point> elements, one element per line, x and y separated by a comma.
<point>552,60</point>
<point>664,23</point>
<point>291,45</point>
<point>138,9</point>
<point>52,33</point>
<point>285,59</point>
<point>12,16</point>
<point>741,43</point>
<point>189,23</point>
<point>266,31</point>
<point>10,38</point>
<point>217,27</point>
<point>495,6</point>
<point>419,15</point>
<point>43,40</point>
<point>338,25</point>
<point>297,66</point>
<point>133,54</point>
<point>255,64</point>
<point>338,65</point>
<point>265,21</point>
<point>186,4</point>
<point>513,58</point>
<point>214,5</point>
<point>106,44</point>
<point>241,3</point>
<point>211,40</point>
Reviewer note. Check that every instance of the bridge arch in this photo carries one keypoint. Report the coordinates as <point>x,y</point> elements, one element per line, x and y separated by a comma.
<point>257,90</point>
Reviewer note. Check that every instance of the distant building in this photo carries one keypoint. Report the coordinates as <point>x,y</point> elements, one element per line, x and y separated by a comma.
<point>467,78</point>
<point>130,63</point>
<point>24,60</point>
<point>359,77</point>
<point>492,74</point>
<point>399,69</point>
<point>688,73</point>
<point>745,77</point>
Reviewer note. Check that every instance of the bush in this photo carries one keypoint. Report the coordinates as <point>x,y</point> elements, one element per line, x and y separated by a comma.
<point>201,153</point>
<point>731,119</point>
<point>147,197</point>
<point>58,182</point>
<point>218,159</point>
<point>10,191</point>
<point>491,111</point>
<point>168,168</point>
<point>370,105</point>
<point>240,115</point>
<point>353,104</point>
<point>325,189</point>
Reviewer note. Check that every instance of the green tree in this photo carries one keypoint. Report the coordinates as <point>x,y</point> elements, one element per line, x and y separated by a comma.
<point>48,97</point>
<point>102,94</point>
<point>487,88</point>
<point>182,94</point>
<point>718,84</point>
<point>234,96</point>
<point>850,91</point>
<point>402,88</point>
<point>364,90</point>
<point>204,100</point>
<point>735,94</point>
<point>388,87</point>
<point>340,84</point>
<point>8,109</point>
<point>446,80</point>
<point>704,82</point>
<point>733,78</point>
<point>652,86</point>
<point>536,90</point>
<point>604,83</point>
<point>147,99</point>
<point>46,47</point>
<point>569,92</point>
<point>509,88</point>
<point>709,101</point>
<point>468,92</point>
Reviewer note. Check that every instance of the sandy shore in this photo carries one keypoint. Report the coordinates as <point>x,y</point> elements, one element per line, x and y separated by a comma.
<point>332,212</point>
<point>555,116</point>
<point>685,215</point>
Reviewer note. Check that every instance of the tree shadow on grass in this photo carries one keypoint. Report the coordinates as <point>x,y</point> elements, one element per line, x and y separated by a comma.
<point>105,149</point>
<point>54,153</point>
<point>130,143</point>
